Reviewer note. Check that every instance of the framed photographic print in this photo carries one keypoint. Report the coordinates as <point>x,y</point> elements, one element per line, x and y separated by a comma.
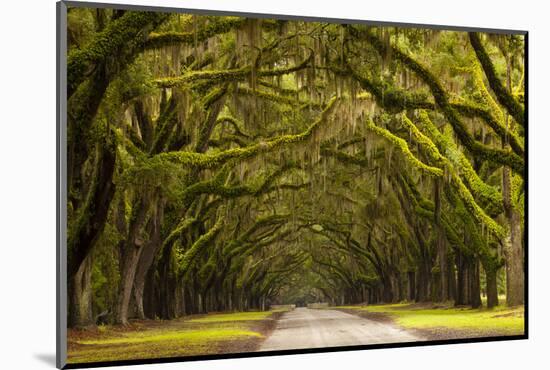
<point>235,185</point>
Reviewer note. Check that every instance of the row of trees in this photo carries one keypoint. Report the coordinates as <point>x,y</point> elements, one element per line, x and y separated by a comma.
<point>225,163</point>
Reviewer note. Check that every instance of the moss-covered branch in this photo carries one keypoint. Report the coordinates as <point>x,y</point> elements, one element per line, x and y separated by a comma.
<point>115,39</point>
<point>242,242</point>
<point>345,157</point>
<point>389,97</point>
<point>396,100</point>
<point>471,111</point>
<point>220,26</point>
<point>239,74</point>
<point>164,126</point>
<point>404,148</point>
<point>181,227</point>
<point>227,139</point>
<point>276,98</point>
<point>189,256</point>
<point>201,160</point>
<point>427,145</point>
<point>488,196</point>
<point>425,208</point>
<point>500,156</point>
<point>503,96</point>
<point>234,123</point>
<point>216,185</point>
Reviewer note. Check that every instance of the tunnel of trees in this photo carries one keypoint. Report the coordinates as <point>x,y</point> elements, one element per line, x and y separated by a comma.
<point>225,163</point>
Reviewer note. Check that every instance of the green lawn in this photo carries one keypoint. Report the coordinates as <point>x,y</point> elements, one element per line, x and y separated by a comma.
<point>193,335</point>
<point>237,316</point>
<point>500,320</point>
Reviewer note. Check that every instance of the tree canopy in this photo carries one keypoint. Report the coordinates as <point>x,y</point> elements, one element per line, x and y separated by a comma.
<point>224,163</point>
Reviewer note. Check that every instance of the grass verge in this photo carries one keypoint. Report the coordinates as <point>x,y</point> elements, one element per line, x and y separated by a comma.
<point>232,317</point>
<point>187,336</point>
<point>443,322</point>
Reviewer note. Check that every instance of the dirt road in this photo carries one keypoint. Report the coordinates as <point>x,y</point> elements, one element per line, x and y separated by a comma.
<point>310,328</point>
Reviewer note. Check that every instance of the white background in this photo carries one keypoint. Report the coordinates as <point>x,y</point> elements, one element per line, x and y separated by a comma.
<point>27,182</point>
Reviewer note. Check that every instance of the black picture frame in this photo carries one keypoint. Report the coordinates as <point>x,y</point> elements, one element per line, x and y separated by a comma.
<point>61,188</point>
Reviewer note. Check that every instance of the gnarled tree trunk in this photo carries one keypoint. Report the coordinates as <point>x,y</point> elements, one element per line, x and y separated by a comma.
<point>80,307</point>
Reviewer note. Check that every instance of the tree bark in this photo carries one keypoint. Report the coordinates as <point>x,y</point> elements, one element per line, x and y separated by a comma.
<point>422,283</point>
<point>515,277</point>
<point>475,293</point>
<point>492,291</point>
<point>411,286</point>
<point>151,296</point>
<point>93,215</point>
<point>435,292</point>
<point>451,278</point>
<point>130,257</point>
<point>504,96</point>
<point>513,249</point>
<point>80,293</point>
<point>146,259</point>
<point>443,288</point>
<point>463,285</point>
<point>82,108</point>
